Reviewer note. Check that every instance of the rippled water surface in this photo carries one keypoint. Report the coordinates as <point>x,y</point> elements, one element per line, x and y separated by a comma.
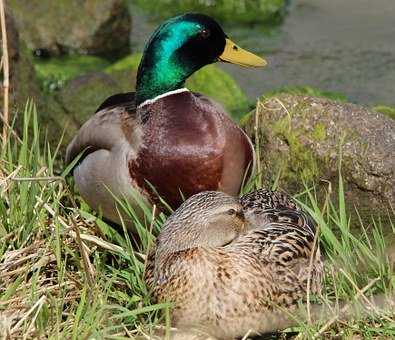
<point>346,46</point>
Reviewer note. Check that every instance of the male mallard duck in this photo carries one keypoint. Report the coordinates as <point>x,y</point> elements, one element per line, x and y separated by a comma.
<point>227,273</point>
<point>163,135</point>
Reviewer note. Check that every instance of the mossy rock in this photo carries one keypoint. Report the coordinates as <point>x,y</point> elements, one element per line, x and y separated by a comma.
<point>99,27</point>
<point>74,87</point>
<point>80,97</point>
<point>130,63</point>
<point>65,109</point>
<point>24,86</point>
<point>303,140</point>
<point>298,90</point>
<point>210,81</point>
<point>23,80</point>
<point>389,111</point>
<point>228,11</point>
<point>306,91</point>
<point>219,85</point>
<point>53,73</point>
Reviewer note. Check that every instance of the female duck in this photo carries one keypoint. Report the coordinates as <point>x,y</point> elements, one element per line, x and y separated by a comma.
<point>232,268</point>
<point>163,139</point>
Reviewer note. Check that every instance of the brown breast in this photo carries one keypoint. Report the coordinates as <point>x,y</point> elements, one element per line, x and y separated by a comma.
<point>189,145</point>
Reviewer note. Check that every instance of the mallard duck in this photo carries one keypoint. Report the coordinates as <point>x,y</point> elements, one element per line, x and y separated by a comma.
<point>231,267</point>
<point>164,140</point>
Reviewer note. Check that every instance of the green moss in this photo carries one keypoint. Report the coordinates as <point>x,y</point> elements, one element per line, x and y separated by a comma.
<point>231,11</point>
<point>389,111</point>
<point>81,96</point>
<point>219,85</point>
<point>54,72</point>
<point>128,63</point>
<point>319,132</point>
<point>210,80</point>
<point>96,27</point>
<point>306,91</point>
<point>301,162</point>
<point>244,120</point>
<point>25,84</point>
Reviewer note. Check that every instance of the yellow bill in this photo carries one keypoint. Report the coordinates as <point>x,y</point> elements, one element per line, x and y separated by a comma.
<point>236,55</point>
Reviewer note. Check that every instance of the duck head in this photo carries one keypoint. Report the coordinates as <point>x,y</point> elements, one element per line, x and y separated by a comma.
<point>180,47</point>
<point>207,219</point>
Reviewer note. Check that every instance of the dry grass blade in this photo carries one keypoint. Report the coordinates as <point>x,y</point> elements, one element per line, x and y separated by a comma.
<point>89,270</point>
<point>34,267</point>
<point>4,183</point>
<point>246,336</point>
<point>345,308</point>
<point>150,231</point>
<point>366,300</point>
<point>257,157</point>
<point>38,179</point>
<point>89,238</point>
<point>37,305</point>
<point>6,73</point>
<point>314,251</point>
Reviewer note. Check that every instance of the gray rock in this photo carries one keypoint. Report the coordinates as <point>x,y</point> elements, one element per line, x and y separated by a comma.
<point>303,138</point>
<point>80,97</point>
<point>23,81</point>
<point>25,86</point>
<point>100,27</point>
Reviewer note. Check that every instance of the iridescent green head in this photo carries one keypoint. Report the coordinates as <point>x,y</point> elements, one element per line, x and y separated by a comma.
<point>181,46</point>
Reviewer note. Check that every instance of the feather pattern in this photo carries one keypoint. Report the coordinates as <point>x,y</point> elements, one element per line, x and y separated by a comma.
<point>247,284</point>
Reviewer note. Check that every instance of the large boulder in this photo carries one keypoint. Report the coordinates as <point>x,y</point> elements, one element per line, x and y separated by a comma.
<point>25,86</point>
<point>81,96</point>
<point>100,27</point>
<point>23,81</point>
<point>302,139</point>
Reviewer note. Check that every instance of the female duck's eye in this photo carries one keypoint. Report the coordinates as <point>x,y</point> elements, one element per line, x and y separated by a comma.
<point>204,33</point>
<point>231,212</point>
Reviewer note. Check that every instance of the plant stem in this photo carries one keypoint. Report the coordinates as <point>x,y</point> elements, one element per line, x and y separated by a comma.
<point>6,72</point>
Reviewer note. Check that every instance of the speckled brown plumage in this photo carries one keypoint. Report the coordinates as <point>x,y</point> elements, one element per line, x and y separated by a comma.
<point>232,287</point>
<point>264,206</point>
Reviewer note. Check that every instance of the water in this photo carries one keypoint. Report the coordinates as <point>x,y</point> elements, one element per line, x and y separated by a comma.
<point>345,46</point>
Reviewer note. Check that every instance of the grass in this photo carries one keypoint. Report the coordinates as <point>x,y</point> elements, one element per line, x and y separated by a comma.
<point>64,273</point>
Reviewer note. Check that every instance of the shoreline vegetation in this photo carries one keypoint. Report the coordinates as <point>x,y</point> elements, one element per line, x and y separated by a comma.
<point>65,273</point>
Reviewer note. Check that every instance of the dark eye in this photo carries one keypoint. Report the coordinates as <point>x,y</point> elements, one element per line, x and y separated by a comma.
<point>231,212</point>
<point>204,33</point>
